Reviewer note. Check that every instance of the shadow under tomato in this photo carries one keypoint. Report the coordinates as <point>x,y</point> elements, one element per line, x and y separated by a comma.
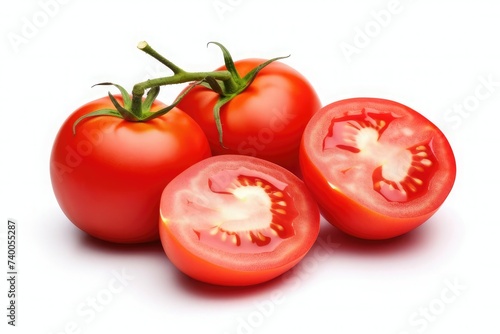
<point>205,290</point>
<point>182,281</point>
<point>397,246</point>
<point>106,247</point>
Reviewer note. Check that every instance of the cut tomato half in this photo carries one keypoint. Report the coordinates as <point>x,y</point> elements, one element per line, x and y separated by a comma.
<point>236,220</point>
<point>377,168</point>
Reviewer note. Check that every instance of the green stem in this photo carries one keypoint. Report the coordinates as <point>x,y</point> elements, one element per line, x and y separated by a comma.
<point>183,77</point>
<point>144,46</point>
<point>227,83</point>
<point>136,107</point>
<point>180,76</point>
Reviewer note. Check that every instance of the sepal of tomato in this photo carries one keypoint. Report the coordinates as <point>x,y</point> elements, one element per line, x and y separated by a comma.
<point>108,173</point>
<point>236,220</point>
<point>377,168</point>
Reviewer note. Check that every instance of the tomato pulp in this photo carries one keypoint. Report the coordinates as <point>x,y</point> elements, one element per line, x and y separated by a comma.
<point>377,168</point>
<point>237,220</point>
<point>109,175</point>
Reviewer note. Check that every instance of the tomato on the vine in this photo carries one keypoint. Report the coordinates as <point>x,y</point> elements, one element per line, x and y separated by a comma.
<point>266,119</point>
<point>108,173</point>
<point>377,168</point>
<point>236,220</point>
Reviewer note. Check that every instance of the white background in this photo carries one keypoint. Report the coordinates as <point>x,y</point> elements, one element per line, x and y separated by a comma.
<point>435,57</point>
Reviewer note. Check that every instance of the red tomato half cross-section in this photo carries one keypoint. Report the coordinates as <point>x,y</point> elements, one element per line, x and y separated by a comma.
<point>377,168</point>
<point>237,220</point>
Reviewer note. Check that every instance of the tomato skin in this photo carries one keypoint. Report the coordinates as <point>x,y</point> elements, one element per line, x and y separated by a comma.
<point>208,272</point>
<point>109,175</point>
<point>215,264</point>
<point>265,121</point>
<point>363,212</point>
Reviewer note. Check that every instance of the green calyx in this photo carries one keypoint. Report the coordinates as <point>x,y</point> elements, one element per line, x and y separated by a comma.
<point>132,110</point>
<point>135,108</point>
<point>230,88</point>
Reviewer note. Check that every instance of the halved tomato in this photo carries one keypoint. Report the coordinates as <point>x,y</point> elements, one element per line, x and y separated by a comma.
<point>377,168</point>
<point>236,220</point>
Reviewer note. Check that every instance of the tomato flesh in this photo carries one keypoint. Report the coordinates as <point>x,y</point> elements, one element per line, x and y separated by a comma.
<point>400,174</point>
<point>248,199</point>
<point>377,168</point>
<point>237,220</point>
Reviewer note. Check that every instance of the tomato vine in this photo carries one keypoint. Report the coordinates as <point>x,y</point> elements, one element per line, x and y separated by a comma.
<point>227,83</point>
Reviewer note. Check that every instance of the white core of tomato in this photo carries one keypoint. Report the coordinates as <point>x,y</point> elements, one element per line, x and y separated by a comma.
<point>395,168</point>
<point>250,209</point>
<point>367,138</point>
<point>394,160</point>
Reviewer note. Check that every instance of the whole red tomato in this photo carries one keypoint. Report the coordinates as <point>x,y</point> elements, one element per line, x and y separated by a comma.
<point>377,168</point>
<point>108,176</point>
<point>266,120</point>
